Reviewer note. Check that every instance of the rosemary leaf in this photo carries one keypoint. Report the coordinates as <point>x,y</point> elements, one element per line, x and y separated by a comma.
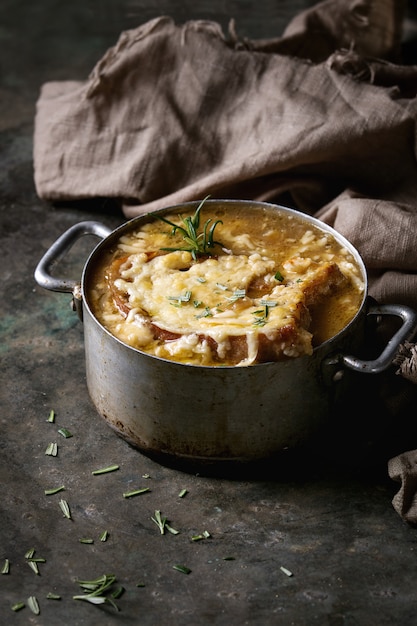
<point>204,535</point>
<point>51,417</point>
<point>18,606</point>
<point>104,536</point>
<point>86,540</point>
<point>182,568</point>
<point>53,596</point>
<point>51,492</point>
<point>97,582</point>
<point>92,599</point>
<point>105,470</point>
<point>65,433</point>
<point>29,554</point>
<point>286,571</point>
<point>63,504</point>
<point>182,493</point>
<point>138,492</point>
<point>33,605</point>
<point>6,567</point>
<point>117,592</point>
<point>52,449</point>
<point>171,530</point>
<point>34,566</point>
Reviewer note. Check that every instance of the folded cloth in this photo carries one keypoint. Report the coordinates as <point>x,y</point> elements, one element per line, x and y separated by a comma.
<point>403,469</point>
<point>174,113</point>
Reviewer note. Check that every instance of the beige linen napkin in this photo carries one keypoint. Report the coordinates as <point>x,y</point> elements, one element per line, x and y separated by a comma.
<point>322,118</point>
<point>173,113</point>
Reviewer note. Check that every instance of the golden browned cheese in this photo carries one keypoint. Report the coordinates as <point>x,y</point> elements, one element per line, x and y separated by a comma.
<point>271,288</point>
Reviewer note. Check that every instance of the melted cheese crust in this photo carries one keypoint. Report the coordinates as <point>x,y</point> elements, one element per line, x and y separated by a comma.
<point>241,306</point>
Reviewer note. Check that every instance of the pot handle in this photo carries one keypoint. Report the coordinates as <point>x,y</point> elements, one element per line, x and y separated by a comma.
<point>58,249</point>
<point>403,334</point>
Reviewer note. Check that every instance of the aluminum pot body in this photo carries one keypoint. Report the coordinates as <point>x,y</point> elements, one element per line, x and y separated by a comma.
<point>202,413</point>
<point>209,413</point>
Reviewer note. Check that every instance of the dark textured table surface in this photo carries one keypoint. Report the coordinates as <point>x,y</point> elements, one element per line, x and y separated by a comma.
<point>324,513</point>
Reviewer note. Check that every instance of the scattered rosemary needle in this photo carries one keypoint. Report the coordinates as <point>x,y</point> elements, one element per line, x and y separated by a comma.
<point>53,596</point>
<point>163,525</point>
<point>63,504</point>
<point>51,492</point>
<point>34,566</point>
<point>117,592</point>
<point>182,568</point>
<point>204,535</point>
<point>105,470</point>
<point>51,417</point>
<point>138,492</point>
<point>18,606</point>
<point>52,449</point>
<point>33,605</point>
<point>6,567</point>
<point>104,535</point>
<point>30,553</point>
<point>182,493</point>
<point>65,433</point>
<point>286,571</point>
<point>86,540</point>
<point>159,521</point>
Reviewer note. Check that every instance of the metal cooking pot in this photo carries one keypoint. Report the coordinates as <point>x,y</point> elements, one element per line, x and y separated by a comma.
<point>213,414</point>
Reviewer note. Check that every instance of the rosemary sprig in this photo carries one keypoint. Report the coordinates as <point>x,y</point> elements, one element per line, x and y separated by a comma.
<point>198,243</point>
<point>6,567</point>
<point>94,590</point>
